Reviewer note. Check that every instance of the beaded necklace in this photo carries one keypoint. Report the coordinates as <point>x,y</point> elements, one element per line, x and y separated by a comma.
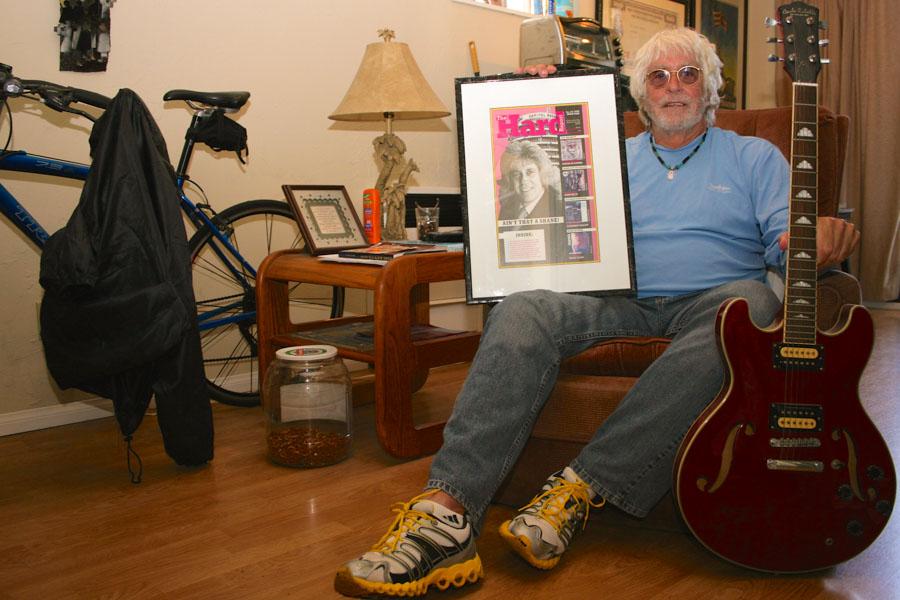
<point>672,168</point>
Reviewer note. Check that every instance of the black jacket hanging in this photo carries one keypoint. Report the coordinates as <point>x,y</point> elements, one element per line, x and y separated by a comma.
<point>118,316</point>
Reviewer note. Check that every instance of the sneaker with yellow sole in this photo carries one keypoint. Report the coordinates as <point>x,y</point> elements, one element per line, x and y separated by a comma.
<point>543,529</point>
<point>427,544</point>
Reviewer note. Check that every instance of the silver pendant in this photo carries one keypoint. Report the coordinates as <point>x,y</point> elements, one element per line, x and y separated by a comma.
<point>671,174</point>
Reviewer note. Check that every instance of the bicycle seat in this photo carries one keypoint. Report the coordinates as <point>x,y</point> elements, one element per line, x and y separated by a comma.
<point>232,100</point>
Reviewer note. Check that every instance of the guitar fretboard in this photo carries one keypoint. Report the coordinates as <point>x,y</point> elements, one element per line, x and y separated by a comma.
<point>800,281</point>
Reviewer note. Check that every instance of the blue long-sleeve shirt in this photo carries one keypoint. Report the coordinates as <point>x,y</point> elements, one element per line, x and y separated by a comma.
<point>717,220</point>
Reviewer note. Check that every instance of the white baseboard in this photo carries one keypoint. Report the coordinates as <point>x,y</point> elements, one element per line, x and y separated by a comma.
<point>54,416</point>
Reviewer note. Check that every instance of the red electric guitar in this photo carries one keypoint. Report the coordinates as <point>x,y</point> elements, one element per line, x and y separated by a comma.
<point>784,471</point>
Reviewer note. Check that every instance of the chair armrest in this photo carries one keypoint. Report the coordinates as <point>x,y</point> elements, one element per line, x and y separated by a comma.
<point>836,288</point>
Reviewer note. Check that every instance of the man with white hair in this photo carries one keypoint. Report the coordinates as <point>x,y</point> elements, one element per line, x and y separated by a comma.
<point>709,211</point>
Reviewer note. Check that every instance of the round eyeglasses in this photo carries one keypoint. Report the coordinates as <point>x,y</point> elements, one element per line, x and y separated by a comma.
<point>687,75</point>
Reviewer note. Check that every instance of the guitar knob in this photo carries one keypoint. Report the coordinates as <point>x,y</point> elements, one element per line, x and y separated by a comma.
<point>855,528</point>
<point>883,507</point>
<point>845,493</point>
<point>875,472</point>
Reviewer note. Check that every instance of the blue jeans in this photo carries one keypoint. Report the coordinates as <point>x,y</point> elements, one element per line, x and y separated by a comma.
<point>629,460</point>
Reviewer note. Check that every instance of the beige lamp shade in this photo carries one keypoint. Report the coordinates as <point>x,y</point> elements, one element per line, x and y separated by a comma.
<point>389,81</point>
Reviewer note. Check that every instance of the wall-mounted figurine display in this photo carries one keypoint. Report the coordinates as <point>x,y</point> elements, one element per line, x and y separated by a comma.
<point>83,31</point>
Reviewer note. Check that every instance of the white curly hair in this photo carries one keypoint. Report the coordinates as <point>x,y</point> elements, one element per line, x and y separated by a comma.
<point>689,42</point>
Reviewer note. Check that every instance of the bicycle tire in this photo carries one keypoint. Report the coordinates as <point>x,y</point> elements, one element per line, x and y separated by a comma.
<point>255,228</point>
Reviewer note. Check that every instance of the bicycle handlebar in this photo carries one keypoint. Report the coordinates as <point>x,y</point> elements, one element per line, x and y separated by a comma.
<point>56,96</point>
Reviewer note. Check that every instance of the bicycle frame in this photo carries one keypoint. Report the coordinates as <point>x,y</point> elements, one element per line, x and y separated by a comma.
<point>209,320</point>
<point>24,162</point>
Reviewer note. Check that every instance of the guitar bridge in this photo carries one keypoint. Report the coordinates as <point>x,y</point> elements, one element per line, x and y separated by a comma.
<point>795,442</point>
<point>799,357</point>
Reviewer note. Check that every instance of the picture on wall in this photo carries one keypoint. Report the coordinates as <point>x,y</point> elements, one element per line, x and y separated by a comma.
<point>724,22</point>
<point>84,34</point>
<point>635,21</point>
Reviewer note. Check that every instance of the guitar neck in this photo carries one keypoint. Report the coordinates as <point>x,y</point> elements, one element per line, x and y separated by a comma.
<point>800,279</point>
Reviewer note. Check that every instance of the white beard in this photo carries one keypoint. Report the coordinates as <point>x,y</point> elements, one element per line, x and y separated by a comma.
<point>675,124</point>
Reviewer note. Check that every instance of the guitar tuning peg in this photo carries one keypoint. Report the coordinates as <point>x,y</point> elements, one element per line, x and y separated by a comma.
<point>824,42</point>
<point>770,22</point>
<point>825,61</point>
<point>773,58</point>
<point>823,24</point>
<point>774,40</point>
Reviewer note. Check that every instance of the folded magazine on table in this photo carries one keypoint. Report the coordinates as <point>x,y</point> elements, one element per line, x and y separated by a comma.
<point>382,252</point>
<point>544,184</point>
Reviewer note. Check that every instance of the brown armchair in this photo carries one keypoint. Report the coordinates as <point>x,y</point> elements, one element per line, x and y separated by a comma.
<point>592,383</point>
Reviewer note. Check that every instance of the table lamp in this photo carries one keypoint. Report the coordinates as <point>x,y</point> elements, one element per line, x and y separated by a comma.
<point>390,86</point>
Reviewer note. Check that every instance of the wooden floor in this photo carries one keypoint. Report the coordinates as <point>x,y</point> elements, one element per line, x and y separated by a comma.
<point>72,526</point>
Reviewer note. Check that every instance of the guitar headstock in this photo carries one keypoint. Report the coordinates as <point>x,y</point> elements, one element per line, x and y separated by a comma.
<point>800,28</point>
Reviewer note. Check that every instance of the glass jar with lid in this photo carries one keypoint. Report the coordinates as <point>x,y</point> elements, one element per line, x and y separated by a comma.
<point>308,407</point>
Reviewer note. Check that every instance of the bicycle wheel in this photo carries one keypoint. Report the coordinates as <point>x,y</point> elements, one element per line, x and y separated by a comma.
<point>225,292</point>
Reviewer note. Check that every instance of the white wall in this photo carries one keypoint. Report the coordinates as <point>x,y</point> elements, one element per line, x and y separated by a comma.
<point>297,57</point>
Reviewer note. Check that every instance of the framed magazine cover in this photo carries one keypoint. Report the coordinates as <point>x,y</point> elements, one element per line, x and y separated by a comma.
<point>544,185</point>
<point>326,217</point>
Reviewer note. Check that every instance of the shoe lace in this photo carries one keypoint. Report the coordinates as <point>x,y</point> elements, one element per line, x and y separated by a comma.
<point>407,519</point>
<point>551,503</point>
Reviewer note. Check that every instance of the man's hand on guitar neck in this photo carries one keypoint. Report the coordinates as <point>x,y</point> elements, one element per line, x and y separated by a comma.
<point>836,239</point>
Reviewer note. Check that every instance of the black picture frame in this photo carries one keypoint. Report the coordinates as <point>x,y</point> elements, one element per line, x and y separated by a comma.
<point>583,241</point>
<point>326,217</point>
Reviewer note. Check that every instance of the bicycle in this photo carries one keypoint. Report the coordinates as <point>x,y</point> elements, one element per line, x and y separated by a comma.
<point>226,247</point>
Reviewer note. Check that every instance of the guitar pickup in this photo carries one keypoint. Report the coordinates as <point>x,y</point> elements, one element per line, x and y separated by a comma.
<point>795,417</point>
<point>798,357</point>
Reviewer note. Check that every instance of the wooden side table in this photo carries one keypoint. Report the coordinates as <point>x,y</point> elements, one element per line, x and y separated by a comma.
<point>404,344</point>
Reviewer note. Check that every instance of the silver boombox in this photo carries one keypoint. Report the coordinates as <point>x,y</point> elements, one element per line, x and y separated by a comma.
<point>573,42</point>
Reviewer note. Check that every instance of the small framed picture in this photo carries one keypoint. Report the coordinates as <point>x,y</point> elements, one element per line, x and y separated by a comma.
<point>326,217</point>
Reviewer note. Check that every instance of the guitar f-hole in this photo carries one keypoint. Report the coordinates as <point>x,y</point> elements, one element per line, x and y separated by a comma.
<point>852,461</point>
<point>727,458</point>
